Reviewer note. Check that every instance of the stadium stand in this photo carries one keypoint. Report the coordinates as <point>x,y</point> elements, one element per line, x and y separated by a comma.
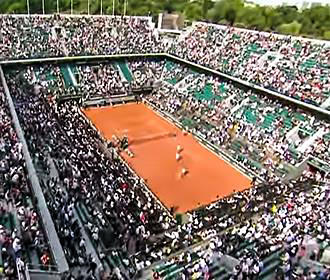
<point>111,218</point>
<point>108,222</point>
<point>119,35</point>
<point>28,37</point>
<point>292,66</point>
<point>21,232</point>
<point>201,91</point>
<point>49,36</point>
<point>255,248</point>
<point>263,133</point>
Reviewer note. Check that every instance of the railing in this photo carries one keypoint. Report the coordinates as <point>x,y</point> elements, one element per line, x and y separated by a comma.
<point>319,164</point>
<point>52,237</point>
<point>149,19</point>
<point>39,271</point>
<point>22,270</point>
<point>40,267</point>
<point>82,58</point>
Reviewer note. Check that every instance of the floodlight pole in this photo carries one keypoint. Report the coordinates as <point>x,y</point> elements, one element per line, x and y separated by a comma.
<point>28,6</point>
<point>88,7</point>
<point>71,7</point>
<point>43,6</point>
<point>58,6</point>
<point>101,7</point>
<point>113,7</point>
<point>125,7</point>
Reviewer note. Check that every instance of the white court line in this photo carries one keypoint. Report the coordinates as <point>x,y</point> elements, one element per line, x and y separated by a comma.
<point>144,184</point>
<point>155,110</point>
<point>200,142</point>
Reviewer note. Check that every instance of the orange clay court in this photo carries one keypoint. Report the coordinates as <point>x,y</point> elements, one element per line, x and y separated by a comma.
<point>154,146</point>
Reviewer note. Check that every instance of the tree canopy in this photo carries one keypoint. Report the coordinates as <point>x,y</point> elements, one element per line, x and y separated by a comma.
<point>312,22</point>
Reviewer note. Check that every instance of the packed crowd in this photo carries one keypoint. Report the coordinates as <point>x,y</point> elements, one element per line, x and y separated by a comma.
<point>145,71</point>
<point>22,237</point>
<point>102,80</point>
<point>54,36</point>
<point>266,136</point>
<point>287,239</point>
<point>108,35</point>
<point>293,66</point>
<point>24,37</point>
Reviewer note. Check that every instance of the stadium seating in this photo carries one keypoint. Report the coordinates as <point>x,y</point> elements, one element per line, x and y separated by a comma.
<point>102,210</point>
<point>145,71</point>
<point>108,217</point>
<point>70,130</point>
<point>21,231</point>
<point>28,37</point>
<point>228,253</point>
<point>49,36</point>
<point>292,66</point>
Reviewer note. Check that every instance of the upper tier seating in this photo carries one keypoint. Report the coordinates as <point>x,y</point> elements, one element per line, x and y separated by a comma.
<point>24,37</point>
<point>292,66</point>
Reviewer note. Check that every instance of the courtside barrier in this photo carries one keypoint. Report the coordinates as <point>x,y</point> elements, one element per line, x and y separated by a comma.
<point>47,221</point>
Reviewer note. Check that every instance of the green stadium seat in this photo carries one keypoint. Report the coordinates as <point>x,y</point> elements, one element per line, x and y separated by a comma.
<point>236,36</point>
<point>268,121</point>
<point>66,75</point>
<point>206,94</point>
<point>217,272</point>
<point>172,81</point>
<point>299,117</point>
<point>125,70</point>
<point>186,122</point>
<point>169,65</point>
<point>250,116</point>
<point>270,269</point>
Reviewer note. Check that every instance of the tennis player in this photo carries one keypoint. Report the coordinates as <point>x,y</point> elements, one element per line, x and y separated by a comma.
<point>184,172</point>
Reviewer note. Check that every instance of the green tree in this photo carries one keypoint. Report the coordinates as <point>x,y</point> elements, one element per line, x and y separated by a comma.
<point>252,17</point>
<point>288,13</point>
<point>225,9</point>
<point>273,18</point>
<point>18,7</point>
<point>193,11</point>
<point>326,35</point>
<point>292,28</point>
<point>206,5</point>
